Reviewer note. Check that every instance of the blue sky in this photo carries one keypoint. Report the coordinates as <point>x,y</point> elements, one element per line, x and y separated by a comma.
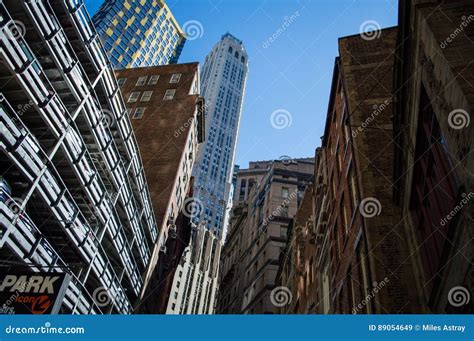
<point>292,73</point>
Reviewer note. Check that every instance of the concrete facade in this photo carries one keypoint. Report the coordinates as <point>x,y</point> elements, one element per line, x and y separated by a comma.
<point>258,234</point>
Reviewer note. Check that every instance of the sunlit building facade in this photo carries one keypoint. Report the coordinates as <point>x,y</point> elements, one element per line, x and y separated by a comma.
<point>223,86</point>
<point>139,33</point>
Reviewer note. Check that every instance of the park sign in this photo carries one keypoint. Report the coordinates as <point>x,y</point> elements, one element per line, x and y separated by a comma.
<point>31,292</point>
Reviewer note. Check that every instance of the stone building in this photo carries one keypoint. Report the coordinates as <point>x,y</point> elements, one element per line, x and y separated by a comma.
<point>297,268</point>
<point>433,168</point>
<point>258,233</point>
<point>167,115</point>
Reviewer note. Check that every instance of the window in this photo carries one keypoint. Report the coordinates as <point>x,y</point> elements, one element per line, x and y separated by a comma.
<point>175,77</point>
<point>169,94</point>
<point>343,212</point>
<point>121,81</point>
<point>141,81</point>
<point>133,97</point>
<point>434,189</point>
<point>146,96</point>
<point>138,113</point>
<point>153,79</point>
<point>284,192</point>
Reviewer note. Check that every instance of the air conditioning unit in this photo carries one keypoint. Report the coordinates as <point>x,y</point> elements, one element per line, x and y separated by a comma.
<point>163,249</point>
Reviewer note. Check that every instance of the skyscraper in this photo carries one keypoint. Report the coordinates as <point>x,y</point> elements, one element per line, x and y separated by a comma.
<point>223,85</point>
<point>139,33</point>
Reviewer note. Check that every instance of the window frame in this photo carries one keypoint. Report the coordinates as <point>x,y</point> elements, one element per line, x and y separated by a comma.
<point>141,114</point>
<point>120,83</point>
<point>153,80</point>
<point>146,96</point>
<point>133,100</point>
<point>144,78</point>
<point>166,96</point>
<point>174,76</point>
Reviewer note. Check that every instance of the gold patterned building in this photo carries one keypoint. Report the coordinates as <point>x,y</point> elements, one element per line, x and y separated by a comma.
<point>137,33</point>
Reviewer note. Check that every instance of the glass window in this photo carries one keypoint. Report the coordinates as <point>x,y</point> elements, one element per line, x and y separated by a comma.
<point>146,96</point>
<point>138,113</point>
<point>153,79</point>
<point>133,96</point>
<point>121,81</point>
<point>141,81</point>
<point>175,77</point>
<point>284,192</point>
<point>169,94</point>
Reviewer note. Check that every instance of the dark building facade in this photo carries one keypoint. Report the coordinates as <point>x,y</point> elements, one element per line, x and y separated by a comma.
<point>74,197</point>
<point>392,191</point>
<point>167,117</point>
<point>434,184</point>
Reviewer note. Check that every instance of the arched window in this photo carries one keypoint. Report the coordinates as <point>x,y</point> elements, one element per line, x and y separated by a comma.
<point>236,55</point>
<point>230,49</point>
<point>242,59</point>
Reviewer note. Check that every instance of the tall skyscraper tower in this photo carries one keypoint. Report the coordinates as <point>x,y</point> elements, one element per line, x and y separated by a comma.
<point>139,33</point>
<point>223,85</point>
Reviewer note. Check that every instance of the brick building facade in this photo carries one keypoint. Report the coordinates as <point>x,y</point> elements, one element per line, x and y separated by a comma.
<point>433,178</point>
<point>391,199</point>
<point>167,115</point>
